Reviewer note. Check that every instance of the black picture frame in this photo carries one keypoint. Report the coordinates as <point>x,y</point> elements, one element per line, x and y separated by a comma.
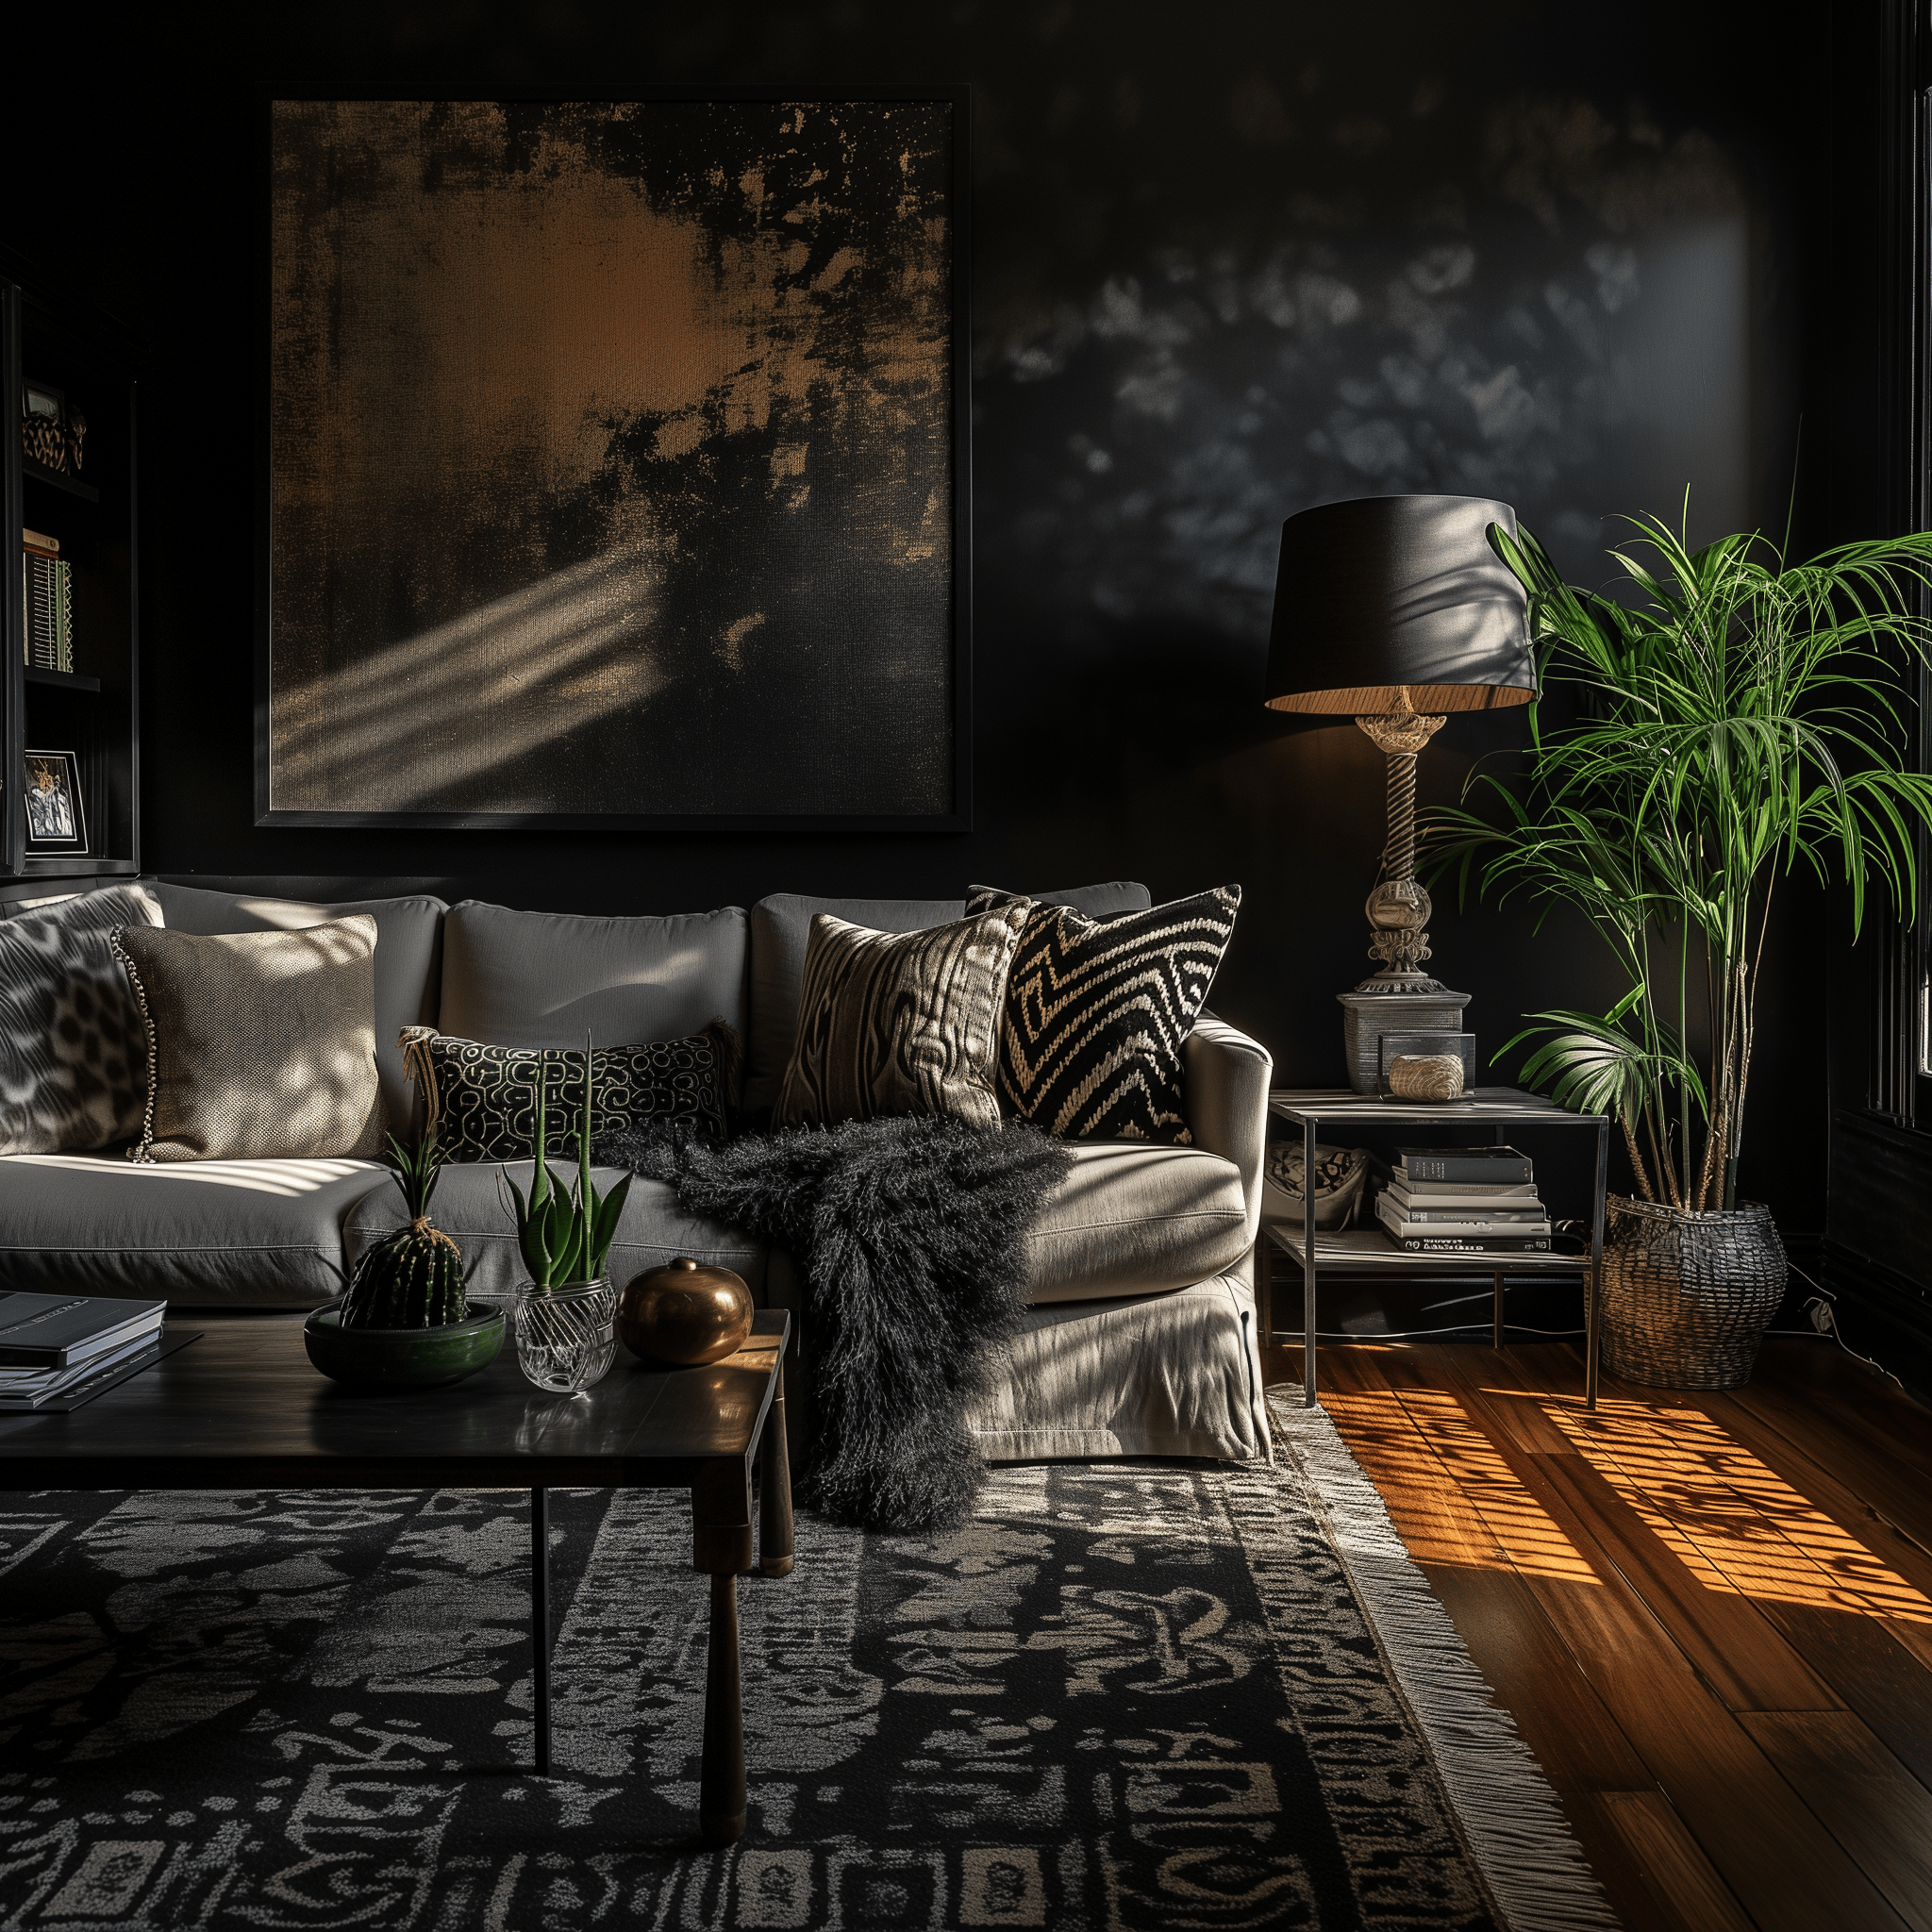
<point>56,775</point>
<point>950,810</point>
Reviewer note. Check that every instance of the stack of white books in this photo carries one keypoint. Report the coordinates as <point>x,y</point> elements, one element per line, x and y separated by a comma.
<point>1464,1201</point>
<point>51,1344</point>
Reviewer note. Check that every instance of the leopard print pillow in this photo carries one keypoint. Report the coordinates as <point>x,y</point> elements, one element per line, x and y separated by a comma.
<point>73,1053</point>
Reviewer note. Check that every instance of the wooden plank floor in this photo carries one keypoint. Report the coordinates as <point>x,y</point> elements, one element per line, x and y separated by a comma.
<point>1711,1615</point>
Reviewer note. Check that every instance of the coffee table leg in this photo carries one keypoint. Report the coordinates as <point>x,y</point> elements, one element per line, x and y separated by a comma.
<point>774,1501</point>
<point>540,1625</point>
<point>720,1783</point>
<point>720,1544</point>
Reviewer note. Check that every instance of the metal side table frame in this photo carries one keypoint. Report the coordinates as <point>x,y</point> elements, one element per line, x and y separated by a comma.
<point>1488,1106</point>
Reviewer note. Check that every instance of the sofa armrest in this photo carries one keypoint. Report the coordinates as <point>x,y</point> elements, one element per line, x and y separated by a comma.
<point>1225,1077</point>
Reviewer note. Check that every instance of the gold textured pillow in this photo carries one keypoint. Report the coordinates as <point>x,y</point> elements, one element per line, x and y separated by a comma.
<point>260,1045</point>
<point>894,1022</point>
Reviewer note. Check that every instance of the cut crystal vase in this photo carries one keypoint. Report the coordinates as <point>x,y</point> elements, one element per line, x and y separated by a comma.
<point>567,1335</point>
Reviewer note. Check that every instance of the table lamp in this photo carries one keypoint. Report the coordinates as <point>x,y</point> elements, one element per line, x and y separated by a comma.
<point>1396,611</point>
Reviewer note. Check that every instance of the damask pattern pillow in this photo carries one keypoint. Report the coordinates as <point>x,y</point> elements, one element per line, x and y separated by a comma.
<point>72,1056</point>
<point>899,1023</point>
<point>1097,1012</point>
<point>482,1100</point>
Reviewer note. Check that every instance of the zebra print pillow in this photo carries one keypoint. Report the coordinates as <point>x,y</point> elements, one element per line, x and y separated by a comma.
<point>482,1100</point>
<point>73,1053</point>
<point>892,1023</point>
<point>1097,1011</point>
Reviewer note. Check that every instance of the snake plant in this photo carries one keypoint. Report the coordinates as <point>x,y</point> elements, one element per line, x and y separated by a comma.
<point>565,1236</point>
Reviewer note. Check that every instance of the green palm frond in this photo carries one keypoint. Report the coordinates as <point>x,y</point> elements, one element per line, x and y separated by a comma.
<point>1742,719</point>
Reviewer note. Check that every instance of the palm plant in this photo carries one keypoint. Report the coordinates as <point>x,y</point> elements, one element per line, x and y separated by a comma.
<point>1741,722</point>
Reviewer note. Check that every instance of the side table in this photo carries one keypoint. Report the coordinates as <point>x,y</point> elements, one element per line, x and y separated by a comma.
<point>1370,1252</point>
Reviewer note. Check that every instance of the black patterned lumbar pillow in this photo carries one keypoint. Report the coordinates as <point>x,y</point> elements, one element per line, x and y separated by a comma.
<point>73,1053</point>
<point>482,1100</point>
<point>1097,1011</point>
<point>899,1023</point>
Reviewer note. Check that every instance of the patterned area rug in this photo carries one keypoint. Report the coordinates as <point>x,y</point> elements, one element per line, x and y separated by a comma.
<point>1126,1697</point>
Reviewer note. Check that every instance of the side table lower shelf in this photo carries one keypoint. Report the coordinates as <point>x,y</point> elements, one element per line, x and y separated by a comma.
<point>1366,1252</point>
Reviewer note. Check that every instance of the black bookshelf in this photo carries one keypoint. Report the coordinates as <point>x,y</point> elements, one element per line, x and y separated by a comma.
<point>93,710</point>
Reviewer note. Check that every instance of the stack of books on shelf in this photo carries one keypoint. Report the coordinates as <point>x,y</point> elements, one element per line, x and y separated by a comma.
<point>51,1344</point>
<point>1464,1201</point>
<point>48,583</point>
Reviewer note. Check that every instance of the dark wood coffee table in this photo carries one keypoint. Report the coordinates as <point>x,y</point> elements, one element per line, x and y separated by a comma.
<point>241,1409</point>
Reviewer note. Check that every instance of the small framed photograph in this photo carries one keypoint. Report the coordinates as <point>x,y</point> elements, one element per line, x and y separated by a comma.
<point>1396,1046</point>
<point>54,819</point>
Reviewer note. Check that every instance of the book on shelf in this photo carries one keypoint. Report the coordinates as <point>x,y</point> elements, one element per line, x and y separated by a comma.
<point>1470,1245</point>
<point>1465,1211</point>
<point>1440,1194</point>
<point>1495,1166</point>
<point>1407,1228</point>
<point>56,1331</point>
<point>1449,1200</point>
<point>29,1387</point>
<point>47,593</point>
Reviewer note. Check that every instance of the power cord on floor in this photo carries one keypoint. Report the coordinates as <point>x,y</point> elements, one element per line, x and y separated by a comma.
<point>1822,1311</point>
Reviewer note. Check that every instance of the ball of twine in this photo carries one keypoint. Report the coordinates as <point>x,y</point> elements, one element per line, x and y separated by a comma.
<point>1427,1077</point>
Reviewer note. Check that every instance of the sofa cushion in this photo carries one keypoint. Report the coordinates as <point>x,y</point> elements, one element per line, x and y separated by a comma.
<point>261,1045</point>
<point>73,1055</point>
<point>250,1234</point>
<point>1096,902</point>
<point>899,1023</point>
<point>409,957</point>
<point>472,1208</point>
<point>780,931</point>
<point>547,978</point>
<point>1130,1219</point>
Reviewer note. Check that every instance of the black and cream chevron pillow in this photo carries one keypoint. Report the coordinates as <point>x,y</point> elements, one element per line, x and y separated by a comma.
<point>1097,1011</point>
<point>899,1022</point>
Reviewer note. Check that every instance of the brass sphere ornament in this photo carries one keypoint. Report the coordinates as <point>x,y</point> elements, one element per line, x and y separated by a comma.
<point>685,1315</point>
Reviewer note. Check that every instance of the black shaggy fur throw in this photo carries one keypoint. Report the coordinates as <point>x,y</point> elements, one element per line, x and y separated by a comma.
<point>908,1236</point>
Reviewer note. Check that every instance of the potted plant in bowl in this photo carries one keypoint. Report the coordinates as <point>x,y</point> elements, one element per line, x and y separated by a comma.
<point>403,1320</point>
<point>1740,722</point>
<point>566,1319</point>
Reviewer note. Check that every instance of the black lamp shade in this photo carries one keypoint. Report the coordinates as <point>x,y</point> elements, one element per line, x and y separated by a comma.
<point>1386,595</point>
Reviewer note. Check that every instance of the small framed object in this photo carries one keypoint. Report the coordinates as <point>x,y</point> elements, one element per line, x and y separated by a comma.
<point>1428,1046</point>
<point>43,423</point>
<point>56,820</point>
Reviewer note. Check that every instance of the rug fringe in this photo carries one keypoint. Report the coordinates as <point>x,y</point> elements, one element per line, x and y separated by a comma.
<point>1535,1869</point>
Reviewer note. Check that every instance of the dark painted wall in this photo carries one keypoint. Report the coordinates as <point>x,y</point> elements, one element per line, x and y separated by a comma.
<point>1231,260</point>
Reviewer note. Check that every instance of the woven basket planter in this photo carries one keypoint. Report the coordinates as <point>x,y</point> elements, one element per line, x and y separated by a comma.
<point>1688,1297</point>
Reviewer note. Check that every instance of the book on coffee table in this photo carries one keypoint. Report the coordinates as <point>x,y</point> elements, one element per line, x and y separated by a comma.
<point>61,1332</point>
<point>30,1388</point>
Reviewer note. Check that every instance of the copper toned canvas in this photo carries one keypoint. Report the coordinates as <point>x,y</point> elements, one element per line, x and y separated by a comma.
<point>615,462</point>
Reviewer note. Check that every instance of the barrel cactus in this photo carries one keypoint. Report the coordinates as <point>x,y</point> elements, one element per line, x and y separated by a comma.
<point>412,1278</point>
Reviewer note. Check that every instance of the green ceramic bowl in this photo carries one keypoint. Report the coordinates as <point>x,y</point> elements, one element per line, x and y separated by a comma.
<point>401,1357</point>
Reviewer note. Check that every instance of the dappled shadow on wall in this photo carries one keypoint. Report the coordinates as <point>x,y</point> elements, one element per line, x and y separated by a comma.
<point>408,726</point>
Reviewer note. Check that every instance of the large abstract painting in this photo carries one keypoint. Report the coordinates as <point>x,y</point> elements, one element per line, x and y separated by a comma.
<point>615,466</point>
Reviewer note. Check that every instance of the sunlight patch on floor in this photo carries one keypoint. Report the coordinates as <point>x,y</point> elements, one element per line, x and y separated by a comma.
<point>1733,1521</point>
<point>1407,1467</point>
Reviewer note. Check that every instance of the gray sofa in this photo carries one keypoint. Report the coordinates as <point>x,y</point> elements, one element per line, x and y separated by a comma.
<point>1140,1333</point>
